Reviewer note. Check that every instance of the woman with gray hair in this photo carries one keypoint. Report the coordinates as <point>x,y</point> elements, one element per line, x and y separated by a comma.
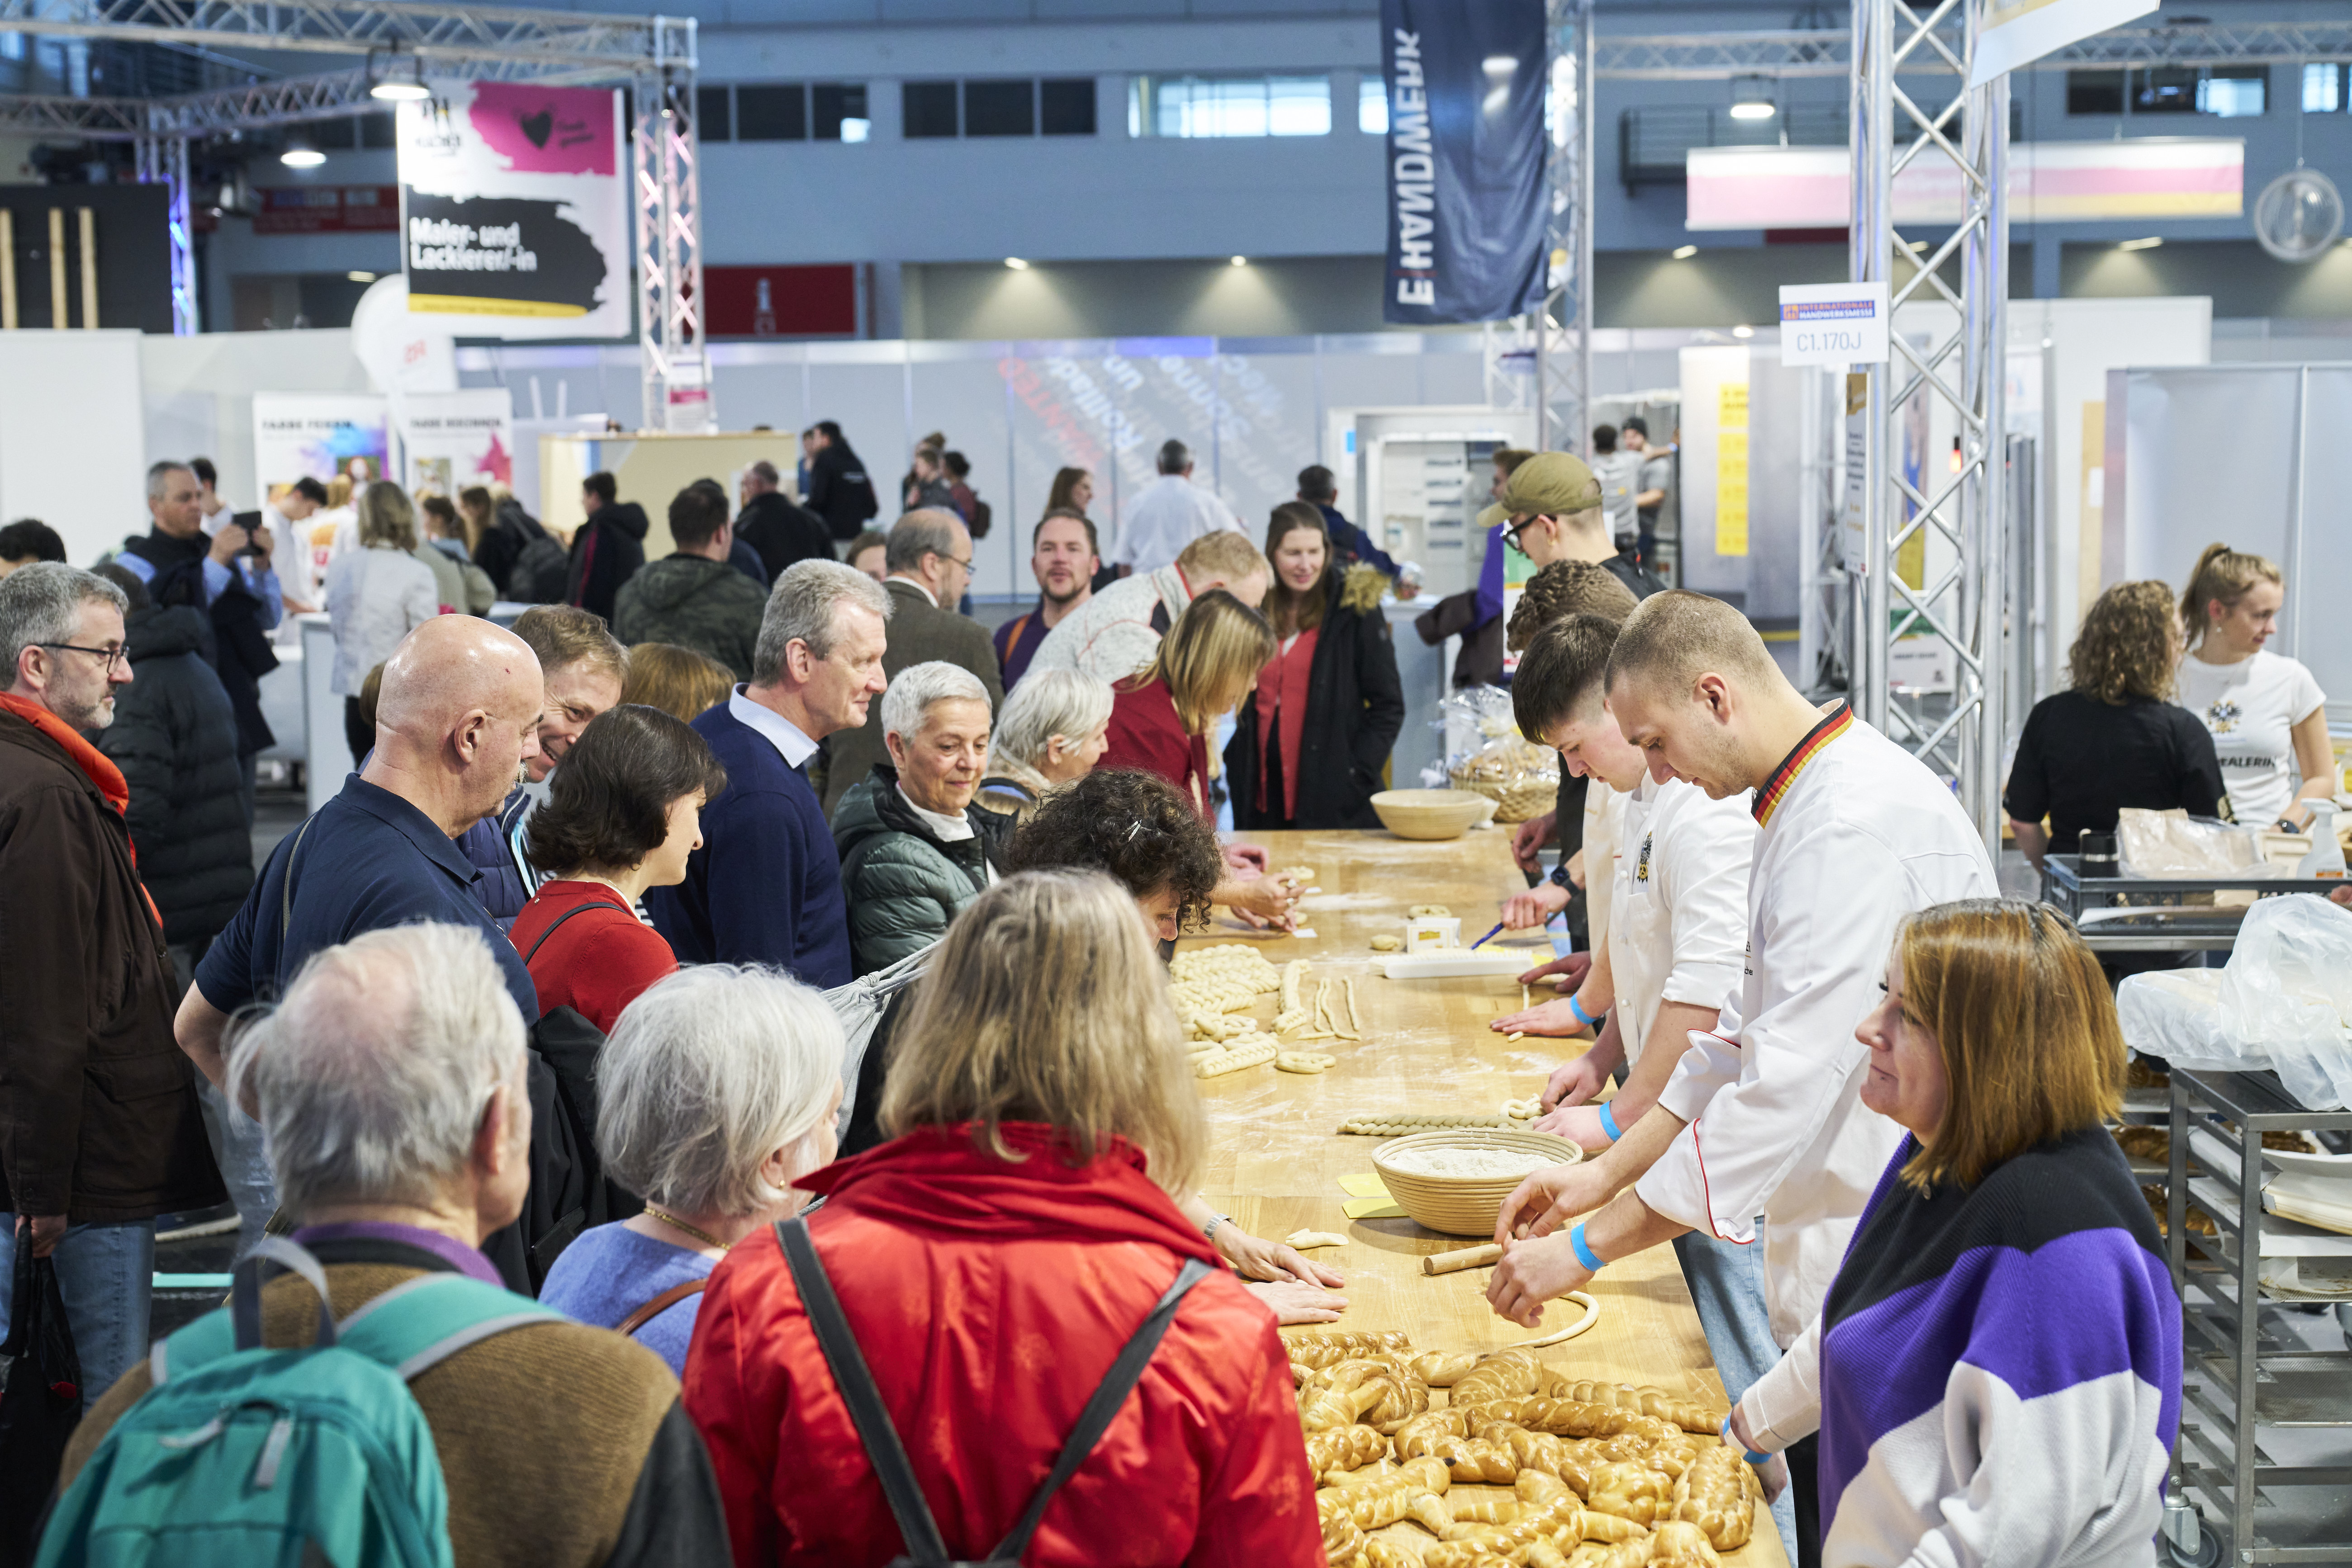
<point>716,1090</point>
<point>914,848</point>
<point>377,596</point>
<point>1053,730</point>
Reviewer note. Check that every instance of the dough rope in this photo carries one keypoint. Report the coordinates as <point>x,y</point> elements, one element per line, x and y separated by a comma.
<point>1393,1123</point>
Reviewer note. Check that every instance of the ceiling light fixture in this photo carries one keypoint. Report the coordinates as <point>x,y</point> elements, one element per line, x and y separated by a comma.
<point>361,277</point>
<point>2150,243</point>
<point>1751,99</point>
<point>300,155</point>
<point>402,81</point>
<point>1241,261</point>
<point>1016,264</point>
<point>1683,252</point>
<point>1743,330</point>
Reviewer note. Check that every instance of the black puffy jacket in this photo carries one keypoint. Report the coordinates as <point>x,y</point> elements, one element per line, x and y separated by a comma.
<point>174,737</point>
<point>783,534</point>
<point>1355,707</point>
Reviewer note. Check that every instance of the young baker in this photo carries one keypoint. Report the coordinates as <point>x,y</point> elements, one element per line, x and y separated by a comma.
<point>1668,965</point>
<point>1763,1116</point>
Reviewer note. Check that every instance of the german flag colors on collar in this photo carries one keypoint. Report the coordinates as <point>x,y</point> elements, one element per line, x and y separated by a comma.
<point>1820,735</point>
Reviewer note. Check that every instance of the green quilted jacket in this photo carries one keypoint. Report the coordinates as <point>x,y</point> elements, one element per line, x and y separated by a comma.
<point>903,885</point>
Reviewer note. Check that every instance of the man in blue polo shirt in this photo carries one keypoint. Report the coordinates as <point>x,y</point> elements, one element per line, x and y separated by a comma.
<point>457,718</point>
<point>765,887</point>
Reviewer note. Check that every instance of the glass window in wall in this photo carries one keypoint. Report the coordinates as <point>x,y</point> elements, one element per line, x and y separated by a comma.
<point>2323,89</point>
<point>771,113</point>
<point>1372,104</point>
<point>840,110</point>
<point>2235,92</point>
<point>714,114</point>
<point>930,109</point>
<point>1197,106</point>
<point>1066,105</point>
<point>1000,108</point>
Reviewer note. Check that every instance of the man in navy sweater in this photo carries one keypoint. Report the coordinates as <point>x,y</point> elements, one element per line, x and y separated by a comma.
<point>765,887</point>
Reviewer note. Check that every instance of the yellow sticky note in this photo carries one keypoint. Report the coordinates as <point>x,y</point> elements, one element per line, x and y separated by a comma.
<point>1363,1184</point>
<point>1381,1208</point>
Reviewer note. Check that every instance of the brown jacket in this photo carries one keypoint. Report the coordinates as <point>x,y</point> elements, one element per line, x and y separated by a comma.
<point>920,633</point>
<point>562,1446</point>
<point>99,1115</point>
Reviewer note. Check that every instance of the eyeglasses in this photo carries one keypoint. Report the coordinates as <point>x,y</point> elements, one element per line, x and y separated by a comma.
<point>963,560</point>
<point>113,655</point>
<point>1512,534</point>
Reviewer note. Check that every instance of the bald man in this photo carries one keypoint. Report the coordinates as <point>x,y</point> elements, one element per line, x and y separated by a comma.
<point>458,719</point>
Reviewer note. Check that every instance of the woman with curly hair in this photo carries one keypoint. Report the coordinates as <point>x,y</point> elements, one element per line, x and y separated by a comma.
<point>2114,738</point>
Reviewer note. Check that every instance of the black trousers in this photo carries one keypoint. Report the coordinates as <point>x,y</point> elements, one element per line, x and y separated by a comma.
<point>1805,1487</point>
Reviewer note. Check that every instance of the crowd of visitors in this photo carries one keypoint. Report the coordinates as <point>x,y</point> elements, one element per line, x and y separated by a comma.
<point>534,1032</point>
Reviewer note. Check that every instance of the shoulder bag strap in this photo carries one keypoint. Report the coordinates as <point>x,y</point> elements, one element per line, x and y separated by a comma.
<point>555,924</point>
<point>1095,1418</point>
<point>917,1530</point>
<point>285,888</point>
<point>658,1305</point>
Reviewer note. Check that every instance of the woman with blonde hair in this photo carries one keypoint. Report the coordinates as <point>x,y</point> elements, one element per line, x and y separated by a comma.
<point>980,1273</point>
<point>2114,738</point>
<point>1161,717</point>
<point>681,681</point>
<point>2267,715</point>
<point>1996,1371</point>
<point>1053,729</point>
<point>376,594</point>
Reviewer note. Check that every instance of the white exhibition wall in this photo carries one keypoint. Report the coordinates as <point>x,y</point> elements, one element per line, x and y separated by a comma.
<point>70,442</point>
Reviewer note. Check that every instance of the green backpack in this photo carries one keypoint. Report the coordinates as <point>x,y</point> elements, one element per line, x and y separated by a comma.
<point>284,1458</point>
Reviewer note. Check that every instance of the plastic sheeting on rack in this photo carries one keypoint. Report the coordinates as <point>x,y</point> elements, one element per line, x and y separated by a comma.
<point>2282,1004</point>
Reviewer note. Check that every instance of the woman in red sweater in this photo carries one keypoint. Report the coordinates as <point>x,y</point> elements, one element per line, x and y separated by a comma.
<point>623,814</point>
<point>990,1261</point>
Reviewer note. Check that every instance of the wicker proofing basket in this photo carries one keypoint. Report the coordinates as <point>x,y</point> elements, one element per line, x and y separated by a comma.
<point>1462,1206</point>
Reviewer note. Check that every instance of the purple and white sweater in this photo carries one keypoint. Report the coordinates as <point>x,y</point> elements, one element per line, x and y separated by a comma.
<point>1996,1373</point>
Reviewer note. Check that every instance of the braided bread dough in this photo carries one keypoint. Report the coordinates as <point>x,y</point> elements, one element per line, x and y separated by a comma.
<point>1685,1414</point>
<point>1229,960</point>
<point>1303,1061</point>
<point>1718,1495</point>
<point>1316,1348</point>
<point>1248,1052</point>
<point>1395,1123</point>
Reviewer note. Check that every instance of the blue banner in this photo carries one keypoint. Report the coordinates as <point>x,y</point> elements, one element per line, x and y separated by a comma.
<point>1465,183</point>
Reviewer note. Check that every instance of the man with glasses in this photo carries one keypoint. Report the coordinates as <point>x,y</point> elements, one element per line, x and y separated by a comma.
<point>929,563</point>
<point>100,1126</point>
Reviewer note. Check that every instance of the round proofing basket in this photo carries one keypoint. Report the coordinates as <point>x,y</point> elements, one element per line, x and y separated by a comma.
<point>1462,1206</point>
<point>1429,813</point>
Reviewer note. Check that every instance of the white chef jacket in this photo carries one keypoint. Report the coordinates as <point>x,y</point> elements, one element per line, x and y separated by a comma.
<point>1855,833</point>
<point>1164,517</point>
<point>1605,812</point>
<point>1678,919</point>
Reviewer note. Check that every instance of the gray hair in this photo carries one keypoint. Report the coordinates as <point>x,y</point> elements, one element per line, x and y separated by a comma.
<point>41,602</point>
<point>920,533</point>
<point>806,607</point>
<point>1049,702</point>
<point>1174,457</point>
<point>909,697</point>
<point>372,1074</point>
<point>707,1073</point>
<point>157,472</point>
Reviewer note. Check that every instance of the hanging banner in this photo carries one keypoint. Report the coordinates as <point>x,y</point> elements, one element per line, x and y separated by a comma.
<point>2016,33</point>
<point>449,440</point>
<point>514,209</point>
<point>1465,183</point>
<point>317,434</point>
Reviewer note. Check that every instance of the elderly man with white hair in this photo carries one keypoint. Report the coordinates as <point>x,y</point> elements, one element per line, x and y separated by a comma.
<point>765,887</point>
<point>389,1082</point>
<point>716,1091</point>
<point>1054,728</point>
<point>914,847</point>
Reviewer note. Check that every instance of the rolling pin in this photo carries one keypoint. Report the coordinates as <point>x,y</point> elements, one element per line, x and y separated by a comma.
<point>1469,1257</point>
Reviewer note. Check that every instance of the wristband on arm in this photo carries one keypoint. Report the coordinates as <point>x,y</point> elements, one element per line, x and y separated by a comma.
<point>1575,1010</point>
<point>1608,1123</point>
<point>1593,1261</point>
<point>1751,1455</point>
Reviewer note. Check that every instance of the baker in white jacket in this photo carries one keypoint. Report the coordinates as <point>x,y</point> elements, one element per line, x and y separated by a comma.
<point>1762,1116</point>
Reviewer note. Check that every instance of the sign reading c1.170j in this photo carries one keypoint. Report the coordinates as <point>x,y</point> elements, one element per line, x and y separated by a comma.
<point>1833,323</point>
<point>514,217</point>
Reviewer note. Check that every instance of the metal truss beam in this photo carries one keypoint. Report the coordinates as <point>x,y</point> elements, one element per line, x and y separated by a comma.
<point>437,34</point>
<point>1562,330</point>
<point>1933,545</point>
<point>1828,52</point>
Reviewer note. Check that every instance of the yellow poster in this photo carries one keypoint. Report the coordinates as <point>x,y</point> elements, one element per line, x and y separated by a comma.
<point>1731,468</point>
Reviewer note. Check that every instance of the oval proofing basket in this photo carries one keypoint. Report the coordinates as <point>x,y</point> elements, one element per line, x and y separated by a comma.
<point>1462,1206</point>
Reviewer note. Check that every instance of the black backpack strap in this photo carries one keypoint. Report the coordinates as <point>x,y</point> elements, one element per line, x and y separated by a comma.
<point>555,924</point>
<point>286,889</point>
<point>917,1530</point>
<point>1095,1418</point>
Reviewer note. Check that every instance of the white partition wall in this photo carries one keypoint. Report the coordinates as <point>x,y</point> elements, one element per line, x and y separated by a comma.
<point>72,452</point>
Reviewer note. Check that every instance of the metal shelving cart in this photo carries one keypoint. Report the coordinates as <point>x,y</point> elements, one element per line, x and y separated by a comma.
<point>2249,1382</point>
<point>2173,927</point>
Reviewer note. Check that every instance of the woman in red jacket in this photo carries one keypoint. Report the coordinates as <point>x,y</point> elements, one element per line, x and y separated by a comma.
<point>992,1260</point>
<point>1161,717</point>
<point>623,814</point>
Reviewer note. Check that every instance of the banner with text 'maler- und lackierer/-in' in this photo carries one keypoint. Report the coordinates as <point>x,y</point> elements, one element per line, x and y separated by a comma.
<point>1465,183</point>
<point>514,209</point>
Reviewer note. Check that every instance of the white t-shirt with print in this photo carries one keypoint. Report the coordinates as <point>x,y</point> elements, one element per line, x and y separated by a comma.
<point>2252,707</point>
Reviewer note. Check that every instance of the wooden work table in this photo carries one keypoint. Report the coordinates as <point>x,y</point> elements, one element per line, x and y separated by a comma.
<point>1276,1158</point>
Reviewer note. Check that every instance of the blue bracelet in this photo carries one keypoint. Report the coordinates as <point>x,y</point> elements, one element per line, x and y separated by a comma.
<point>1752,1456</point>
<point>1584,1253</point>
<point>1583,1017</point>
<point>1609,1123</point>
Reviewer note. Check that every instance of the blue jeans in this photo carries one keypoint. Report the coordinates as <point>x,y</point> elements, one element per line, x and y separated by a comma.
<point>1727,1286</point>
<point>244,1164</point>
<point>105,1273</point>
